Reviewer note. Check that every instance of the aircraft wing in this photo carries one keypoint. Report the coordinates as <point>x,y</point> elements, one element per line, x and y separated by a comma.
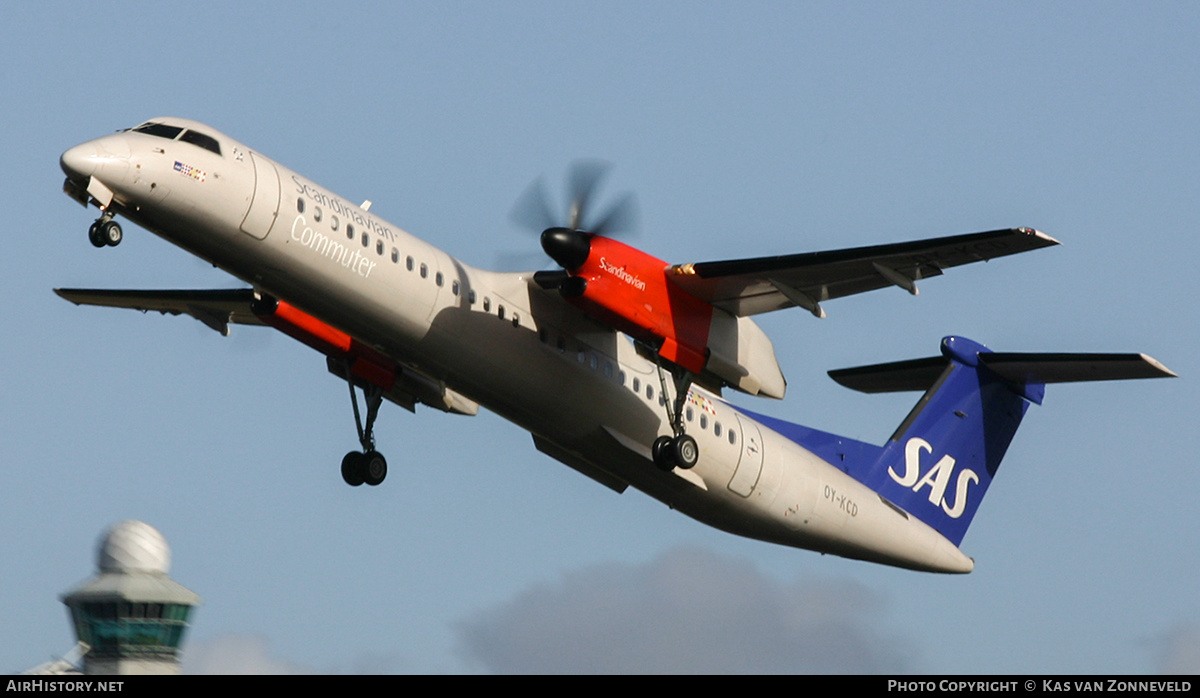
<point>751,286</point>
<point>215,308</point>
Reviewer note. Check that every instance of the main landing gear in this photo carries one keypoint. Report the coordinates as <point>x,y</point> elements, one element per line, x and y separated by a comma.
<point>368,465</point>
<point>680,450</point>
<point>105,232</point>
<point>364,466</point>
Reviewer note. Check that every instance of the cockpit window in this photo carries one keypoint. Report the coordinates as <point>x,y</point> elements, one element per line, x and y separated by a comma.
<point>204,141</point>
<point>172,133</point>
<point>160,130</point>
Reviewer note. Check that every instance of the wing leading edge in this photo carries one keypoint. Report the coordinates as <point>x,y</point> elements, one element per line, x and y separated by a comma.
<point>759,285</point>
<point>215,308</point>
<point>346,357</point>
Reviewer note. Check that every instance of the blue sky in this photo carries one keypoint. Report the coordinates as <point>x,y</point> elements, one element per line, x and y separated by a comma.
<point>745,129</point>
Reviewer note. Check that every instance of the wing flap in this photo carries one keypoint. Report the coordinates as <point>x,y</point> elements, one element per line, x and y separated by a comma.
<point>758,285</point>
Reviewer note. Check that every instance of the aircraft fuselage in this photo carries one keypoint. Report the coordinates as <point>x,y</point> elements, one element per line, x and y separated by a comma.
<point>583,390</point>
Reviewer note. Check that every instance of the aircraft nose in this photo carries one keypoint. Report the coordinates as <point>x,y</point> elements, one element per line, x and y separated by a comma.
<point>80,162</point>
<point>88,159</point>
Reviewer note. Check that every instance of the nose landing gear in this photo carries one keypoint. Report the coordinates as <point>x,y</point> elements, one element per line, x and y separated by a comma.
<point>105,232</point>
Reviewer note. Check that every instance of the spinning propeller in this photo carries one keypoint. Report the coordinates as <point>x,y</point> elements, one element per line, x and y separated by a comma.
<point>568,242</point>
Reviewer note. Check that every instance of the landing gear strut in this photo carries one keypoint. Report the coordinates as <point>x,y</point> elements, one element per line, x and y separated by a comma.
<point>368,465</point>
<point>679,450</point>
<point>105,232</point>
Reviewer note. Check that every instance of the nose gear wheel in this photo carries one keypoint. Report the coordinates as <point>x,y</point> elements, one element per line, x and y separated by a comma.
<point>105,232</point>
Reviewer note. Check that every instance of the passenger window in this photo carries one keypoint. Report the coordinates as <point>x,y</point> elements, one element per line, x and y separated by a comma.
<point>366,240</point>
<point>703,421</point>
<point>408,263</point>
<point>379,247</point>
<point>487,304</point>
<point>637,384</point>
<point>317,213</point>
<point>500,312</point>
<point>649,392</point>
<point>395,255</point>
<point>516,320</point>
<point>438,278</point>
<point>424,271</point>
<point>333,222</point>
<point>299,205</point>
<point>454,287</point>
<point>732,436</point>
<point>716,428</point>
<point>349,231</point>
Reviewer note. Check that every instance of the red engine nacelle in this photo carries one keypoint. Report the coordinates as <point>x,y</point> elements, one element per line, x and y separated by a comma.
<point>364,362</point>
<point>629,290</point>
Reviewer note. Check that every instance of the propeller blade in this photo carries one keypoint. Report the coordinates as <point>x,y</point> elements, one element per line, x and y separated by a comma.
<point>568,245</point>
<point>621,217</point>
<point>532,209</point>
<point>584,178</point>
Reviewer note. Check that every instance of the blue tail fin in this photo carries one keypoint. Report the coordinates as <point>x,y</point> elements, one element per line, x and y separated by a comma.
<point>939,463</point>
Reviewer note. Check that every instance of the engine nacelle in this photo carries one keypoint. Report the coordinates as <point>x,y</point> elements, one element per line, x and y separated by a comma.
<point>742,355</point>
<point>629,290</point>
<point>400,384</point>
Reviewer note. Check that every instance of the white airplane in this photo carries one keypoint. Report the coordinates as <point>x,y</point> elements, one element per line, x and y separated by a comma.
<point>615,363</point>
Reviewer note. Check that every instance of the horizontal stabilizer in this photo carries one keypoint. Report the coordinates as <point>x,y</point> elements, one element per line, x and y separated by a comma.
<point>1021,368</point>
<point>1071,368</point>
<point>891,377</point>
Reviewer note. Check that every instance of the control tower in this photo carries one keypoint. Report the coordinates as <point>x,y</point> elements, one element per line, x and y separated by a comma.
<point>131,617</point>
